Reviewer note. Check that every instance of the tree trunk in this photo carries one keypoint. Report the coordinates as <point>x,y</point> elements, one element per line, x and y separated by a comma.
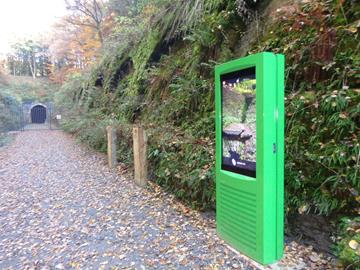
<point>100,34</point>
<point>34,74</point>
<point>32,64</point>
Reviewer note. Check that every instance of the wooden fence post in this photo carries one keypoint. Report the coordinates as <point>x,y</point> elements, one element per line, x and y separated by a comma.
<point>111,146</point>
<point>140,159</point>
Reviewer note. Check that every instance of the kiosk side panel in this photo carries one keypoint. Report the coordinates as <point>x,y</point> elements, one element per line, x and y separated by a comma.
<point>266,130</point>
<point>280,155</point>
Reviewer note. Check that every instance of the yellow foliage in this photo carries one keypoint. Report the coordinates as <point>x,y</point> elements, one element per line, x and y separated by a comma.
<point>79,45</point>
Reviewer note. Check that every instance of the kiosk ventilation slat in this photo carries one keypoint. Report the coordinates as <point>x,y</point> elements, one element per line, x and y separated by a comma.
<point>239,221</point>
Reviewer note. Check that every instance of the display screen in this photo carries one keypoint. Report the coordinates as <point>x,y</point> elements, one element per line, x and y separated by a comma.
<point>239,121</point>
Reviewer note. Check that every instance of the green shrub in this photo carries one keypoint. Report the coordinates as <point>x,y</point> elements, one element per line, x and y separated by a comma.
<point>184,166</point>
<point>322,151</point>
<point>10,114</point>
<point>322,106</point>
<point>347,248</point>
<point>89,128</point>
<point>124,144</point>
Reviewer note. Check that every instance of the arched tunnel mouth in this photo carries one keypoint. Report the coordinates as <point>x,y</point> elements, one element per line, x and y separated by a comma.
<point>38,114</point>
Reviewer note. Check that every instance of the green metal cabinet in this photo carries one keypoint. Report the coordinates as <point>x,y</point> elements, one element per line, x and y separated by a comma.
<point>250,155</point>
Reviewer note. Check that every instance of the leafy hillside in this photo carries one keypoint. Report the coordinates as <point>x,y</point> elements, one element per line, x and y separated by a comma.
<point>321,43</point>
<point>17,89</point>
<point>25,88</point>
<point>9,109</point>
<point>9,113</point>
<point>157,69</point>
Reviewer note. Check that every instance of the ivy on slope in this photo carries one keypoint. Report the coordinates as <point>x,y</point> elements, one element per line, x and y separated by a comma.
<point>168,86</point>
<point>165,81</point>
<point>321,44</point>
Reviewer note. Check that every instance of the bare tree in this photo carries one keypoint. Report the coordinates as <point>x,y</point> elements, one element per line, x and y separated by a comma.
<point>88,13</point>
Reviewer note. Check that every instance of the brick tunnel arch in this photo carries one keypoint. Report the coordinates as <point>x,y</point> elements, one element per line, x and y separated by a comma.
<point>38,114</point>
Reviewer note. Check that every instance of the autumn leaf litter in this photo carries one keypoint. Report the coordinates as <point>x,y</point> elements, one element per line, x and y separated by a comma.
<point>63,208</point>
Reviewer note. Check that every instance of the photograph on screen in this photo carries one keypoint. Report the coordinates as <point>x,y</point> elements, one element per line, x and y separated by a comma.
<point>239,121</point>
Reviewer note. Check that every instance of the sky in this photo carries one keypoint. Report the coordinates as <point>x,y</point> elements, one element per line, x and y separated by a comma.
<point>21,19</point>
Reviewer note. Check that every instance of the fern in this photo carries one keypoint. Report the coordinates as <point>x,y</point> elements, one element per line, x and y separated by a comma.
<point>180,16</point>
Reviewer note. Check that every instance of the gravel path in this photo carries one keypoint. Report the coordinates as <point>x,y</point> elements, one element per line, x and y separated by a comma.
<point>62,208</point>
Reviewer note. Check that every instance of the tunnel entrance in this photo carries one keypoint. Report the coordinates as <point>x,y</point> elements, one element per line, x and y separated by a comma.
<point>38,114</point>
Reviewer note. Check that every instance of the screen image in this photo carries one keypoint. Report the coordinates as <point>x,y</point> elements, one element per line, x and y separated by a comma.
<point>239,121</point>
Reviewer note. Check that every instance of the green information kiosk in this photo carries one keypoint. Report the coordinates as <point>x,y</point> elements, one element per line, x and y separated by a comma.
<point>250,155</point>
